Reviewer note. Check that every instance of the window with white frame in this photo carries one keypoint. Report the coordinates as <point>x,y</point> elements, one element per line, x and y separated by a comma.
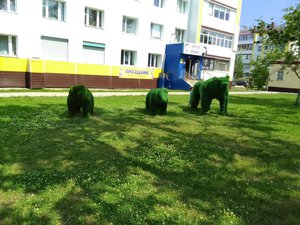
<point>246,56</point>
<point>128,57</point>
<point>156,30</point>
<point>158,3</point>
<point>182,6</point>
<point>245,47</point>
<point>154,60</point>
<point>129,25</point>
<point>221,65</point>
<point>215,38</point>
<point>8,5</point>
<point>54,9</point>
<point>279,75</point>
<point>180,35</point>
<point>245,37</point>
<point>219,11</point>
<point>93,17</point>
<point>8,45</point>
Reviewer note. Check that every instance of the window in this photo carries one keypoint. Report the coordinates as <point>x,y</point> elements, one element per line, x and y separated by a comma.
<point>156,31</point>
<point>93,17</point>
<point>215,38</point>
<point>129,25</point>
<point>208,64</point>
<point>8,5</point>
<point>245,47</point>
<point>158,3</point>
<point>182,6</point>
<point>128,57</point>
<point>215,64</point>
<point>180,35</point>
<point>279,75</point>
<point>246,37</point>
<point>267,48</point>
<point>93,53</point>
<point>154,60</point>
<point>8,45</point>
<point>259,48</point>
<point>246,66</point>
<point>54,9</point>
<point>54,48</point>
<point>246,57</point>
<point>221,65</point>
<point>218,11</point>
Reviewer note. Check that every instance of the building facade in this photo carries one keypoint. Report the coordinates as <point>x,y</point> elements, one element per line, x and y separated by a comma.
<point>109,44</point>
<point>283,80</point>
<point>217,30</point>
<point>250,47</point>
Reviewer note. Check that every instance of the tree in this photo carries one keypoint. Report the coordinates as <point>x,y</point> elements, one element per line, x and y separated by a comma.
<point>259,74</point>
<point>286,35</point>
<point>261,68</point>
<point>238,67</point>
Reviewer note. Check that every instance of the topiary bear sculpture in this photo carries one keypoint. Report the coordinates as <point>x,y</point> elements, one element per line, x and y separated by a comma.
<point>157,101</point>
<point>206,91</point>
<point>80,97</point>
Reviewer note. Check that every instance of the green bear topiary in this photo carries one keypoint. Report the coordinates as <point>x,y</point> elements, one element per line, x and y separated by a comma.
<point>157,101</point>
<point>206,91</point>
<point>80,97</point>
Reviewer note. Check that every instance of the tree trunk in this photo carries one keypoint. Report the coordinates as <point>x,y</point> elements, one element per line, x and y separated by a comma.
<point>298,97</point>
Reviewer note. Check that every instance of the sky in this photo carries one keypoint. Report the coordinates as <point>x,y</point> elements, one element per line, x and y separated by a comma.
<point>265,10</point>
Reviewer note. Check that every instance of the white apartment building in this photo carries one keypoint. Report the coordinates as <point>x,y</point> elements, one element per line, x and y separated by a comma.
<point>109,43</point>
<point>217,30</point>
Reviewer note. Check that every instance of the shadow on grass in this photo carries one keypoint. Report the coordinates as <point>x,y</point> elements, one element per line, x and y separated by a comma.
<point>263,100</point>
<point>123,167</point>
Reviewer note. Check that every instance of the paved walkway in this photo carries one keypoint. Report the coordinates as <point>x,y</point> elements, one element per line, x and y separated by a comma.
<point>108,94</point>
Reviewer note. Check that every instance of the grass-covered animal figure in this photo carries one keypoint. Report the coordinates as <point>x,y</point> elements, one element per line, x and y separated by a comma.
<point>206,91</point>
<point>157,101</point>
<point>80,97</point>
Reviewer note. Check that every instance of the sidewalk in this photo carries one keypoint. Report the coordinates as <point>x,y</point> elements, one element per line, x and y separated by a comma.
<point>108,94</point>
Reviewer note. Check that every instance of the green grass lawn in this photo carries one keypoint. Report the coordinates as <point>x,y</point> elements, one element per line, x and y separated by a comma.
<point>124,167</point>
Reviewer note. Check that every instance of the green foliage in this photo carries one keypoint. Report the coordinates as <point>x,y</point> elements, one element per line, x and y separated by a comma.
<point>285,36</point>
<point>261,72</point>
<point>260,76</point>
<point>157,101</point>
<point>195,95</point>
<point>238,67</point>
<point>206,91</point>
<point>129,168</point>
<point>79,98</point>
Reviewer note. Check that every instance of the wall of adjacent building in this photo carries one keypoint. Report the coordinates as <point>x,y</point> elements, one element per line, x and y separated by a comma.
<point>289,83</point>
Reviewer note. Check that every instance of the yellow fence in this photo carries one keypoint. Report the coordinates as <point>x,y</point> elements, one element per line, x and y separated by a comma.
<point>13,64</point>
<point>57,67</point>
